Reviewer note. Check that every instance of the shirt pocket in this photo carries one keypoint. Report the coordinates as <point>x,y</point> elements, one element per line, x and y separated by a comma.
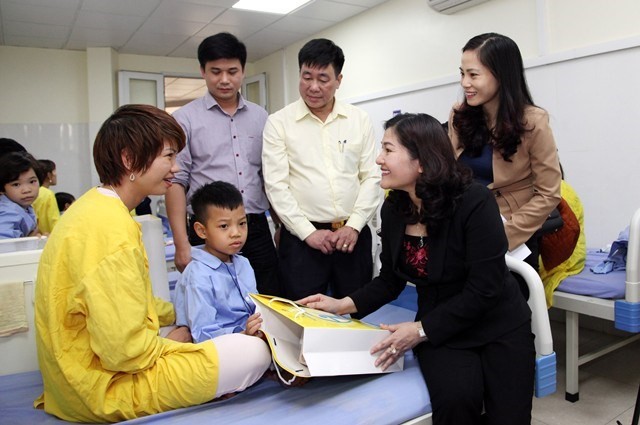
<point>347,156</point>
<point>251,148</point>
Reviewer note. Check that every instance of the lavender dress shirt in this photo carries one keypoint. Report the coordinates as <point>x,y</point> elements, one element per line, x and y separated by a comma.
<point>223,147</point>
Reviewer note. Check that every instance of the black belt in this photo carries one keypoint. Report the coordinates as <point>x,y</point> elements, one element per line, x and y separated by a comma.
<point>329,226</point>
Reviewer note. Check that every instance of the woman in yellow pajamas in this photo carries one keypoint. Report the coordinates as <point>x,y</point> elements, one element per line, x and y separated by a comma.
<point>97,321</point>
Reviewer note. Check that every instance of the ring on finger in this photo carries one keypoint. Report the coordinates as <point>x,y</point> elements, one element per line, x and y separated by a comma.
<point>345,245</point>
<point>392,350</point>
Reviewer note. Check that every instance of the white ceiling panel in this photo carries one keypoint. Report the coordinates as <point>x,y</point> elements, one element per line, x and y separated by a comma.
<point>168,26</point>
<point>300,25</point>
<point>329,10</point>
<point>68,4</point>
<point>122,7</point>
<point>242,31</point>
<point>187,12</point>
<point>187,49</point>
<point>171,28</point>
<point>108,21</point>
<point>33,30</point>
<point>22,12</point>
<point>82,37</point>
<point>236,17</point>
<point>165,27</point>
<point>46,43</point>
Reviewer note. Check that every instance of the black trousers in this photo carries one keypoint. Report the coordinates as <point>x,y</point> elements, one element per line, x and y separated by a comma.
<point>259,250</point>
<point>498,376</point>
<point>306,271</point>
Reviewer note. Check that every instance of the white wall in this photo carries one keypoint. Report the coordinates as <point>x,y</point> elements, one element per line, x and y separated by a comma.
<point>54,101</point>
<point>581,59</point>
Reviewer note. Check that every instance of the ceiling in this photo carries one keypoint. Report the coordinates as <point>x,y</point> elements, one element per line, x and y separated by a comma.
<point>172,28</point>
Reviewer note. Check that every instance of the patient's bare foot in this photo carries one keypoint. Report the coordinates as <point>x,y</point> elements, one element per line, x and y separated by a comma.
<point>226,396</point>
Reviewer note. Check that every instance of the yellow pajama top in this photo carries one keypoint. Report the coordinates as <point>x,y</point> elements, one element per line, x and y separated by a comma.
<point>97,324</point>
<point>46,209</point>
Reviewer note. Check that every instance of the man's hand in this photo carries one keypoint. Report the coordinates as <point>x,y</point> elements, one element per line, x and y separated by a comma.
<point>344,239</point>
<point>321,240</point>
<point>182,257</point>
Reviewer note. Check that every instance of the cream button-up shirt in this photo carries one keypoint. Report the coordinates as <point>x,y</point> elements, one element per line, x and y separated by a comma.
<point>321,171</point>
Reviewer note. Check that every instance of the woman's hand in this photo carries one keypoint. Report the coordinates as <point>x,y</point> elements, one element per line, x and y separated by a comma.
<point>254,322</point>
<point>404,336</point>
<point>322,302</point>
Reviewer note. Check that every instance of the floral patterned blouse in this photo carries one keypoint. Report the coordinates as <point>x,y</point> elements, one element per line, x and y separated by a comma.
<point>415,250</point>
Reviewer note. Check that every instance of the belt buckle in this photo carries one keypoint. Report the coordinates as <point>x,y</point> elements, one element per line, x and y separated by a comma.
<point>337,225</point>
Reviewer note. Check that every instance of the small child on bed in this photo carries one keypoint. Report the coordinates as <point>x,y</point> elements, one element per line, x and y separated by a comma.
<point>18,189</point>
<point>212,294</point>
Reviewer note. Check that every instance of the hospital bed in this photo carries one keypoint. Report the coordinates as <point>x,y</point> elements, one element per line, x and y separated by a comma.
<point>393,398</point>
<point>614,296</point>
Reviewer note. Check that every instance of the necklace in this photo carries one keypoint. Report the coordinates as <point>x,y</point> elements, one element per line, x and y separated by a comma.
<point>235,281</point>
<point>419,230</point>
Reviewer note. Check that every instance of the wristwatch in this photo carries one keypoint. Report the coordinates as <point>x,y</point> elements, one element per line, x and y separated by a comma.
<point>421,331</point>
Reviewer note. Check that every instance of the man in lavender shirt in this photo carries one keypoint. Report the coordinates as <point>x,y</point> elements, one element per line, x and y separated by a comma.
<point>224,142</point>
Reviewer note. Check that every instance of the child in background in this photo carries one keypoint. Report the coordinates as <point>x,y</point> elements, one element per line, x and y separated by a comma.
<point>45,205</point>
<point>64,201</point>
<point>212,294</point>
<point>19,188</point>
<point>9,145</point>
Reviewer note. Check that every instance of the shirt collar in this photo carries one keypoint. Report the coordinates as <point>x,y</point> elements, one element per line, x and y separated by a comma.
<point>210,102</point>
<point>207,259</point>
<point>302,110</point>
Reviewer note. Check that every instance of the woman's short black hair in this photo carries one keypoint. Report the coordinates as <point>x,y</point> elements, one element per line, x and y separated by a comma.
<point>137,132</point>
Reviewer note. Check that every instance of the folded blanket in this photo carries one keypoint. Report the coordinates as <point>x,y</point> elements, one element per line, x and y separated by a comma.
<point>617,259</point>
<point>13,314</point>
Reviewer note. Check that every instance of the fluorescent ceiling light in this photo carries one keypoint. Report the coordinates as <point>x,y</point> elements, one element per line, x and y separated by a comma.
<point>281,7</point>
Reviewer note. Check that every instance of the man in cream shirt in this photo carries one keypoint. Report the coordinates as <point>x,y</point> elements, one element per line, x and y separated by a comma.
<point>322,180</point>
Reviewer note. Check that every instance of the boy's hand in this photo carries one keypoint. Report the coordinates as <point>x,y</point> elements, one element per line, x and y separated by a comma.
<point>253,325</point>
<point>180,334</point>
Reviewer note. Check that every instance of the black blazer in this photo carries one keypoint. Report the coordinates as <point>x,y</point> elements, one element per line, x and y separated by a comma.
<point>469,297</point>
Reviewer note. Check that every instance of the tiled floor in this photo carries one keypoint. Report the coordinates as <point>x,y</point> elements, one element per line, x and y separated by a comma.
<point>608,385</point>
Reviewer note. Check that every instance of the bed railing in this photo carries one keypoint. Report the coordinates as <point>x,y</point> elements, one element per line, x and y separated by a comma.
<point>545,377</point>
<point>627,311</point>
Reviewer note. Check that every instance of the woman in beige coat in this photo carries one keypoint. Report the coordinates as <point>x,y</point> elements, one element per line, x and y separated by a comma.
<point>505,138</point>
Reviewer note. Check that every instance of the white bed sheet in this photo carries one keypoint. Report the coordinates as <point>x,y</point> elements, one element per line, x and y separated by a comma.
<point>609,285</point>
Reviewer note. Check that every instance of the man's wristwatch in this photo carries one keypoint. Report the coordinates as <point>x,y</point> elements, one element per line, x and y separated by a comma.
<point>421,331</point>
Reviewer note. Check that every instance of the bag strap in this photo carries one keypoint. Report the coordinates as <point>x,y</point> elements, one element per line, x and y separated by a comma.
<point>300,310</point>
<point>277,368</point>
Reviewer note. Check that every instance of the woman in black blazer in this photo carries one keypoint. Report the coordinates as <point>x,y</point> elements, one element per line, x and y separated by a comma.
<point>441,231</point>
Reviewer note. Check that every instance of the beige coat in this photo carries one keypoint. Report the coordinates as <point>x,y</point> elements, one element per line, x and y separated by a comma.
<point>527,189</point>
